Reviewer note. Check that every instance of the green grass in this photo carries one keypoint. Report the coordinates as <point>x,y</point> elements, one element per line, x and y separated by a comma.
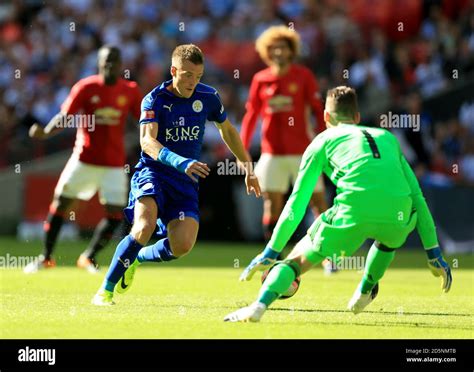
<point>188,299</point>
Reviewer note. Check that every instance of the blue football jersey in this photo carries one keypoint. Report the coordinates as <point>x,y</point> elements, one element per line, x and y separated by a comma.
<point>181,121</point>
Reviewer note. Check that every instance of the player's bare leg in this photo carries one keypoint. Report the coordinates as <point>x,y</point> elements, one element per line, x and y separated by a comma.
<point>182,235</point>
<point>144,223</point>
<point>58,210</point>
<point>145,215</point>
<point>180,239</point>
<point>57,214</point>
<point>102,235</point>
<point>272,206</point>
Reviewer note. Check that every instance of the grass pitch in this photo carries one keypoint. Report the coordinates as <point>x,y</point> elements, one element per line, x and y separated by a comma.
<point>188,298</point>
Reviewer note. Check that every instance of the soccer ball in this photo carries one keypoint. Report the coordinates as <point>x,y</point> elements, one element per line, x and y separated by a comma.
<point>291,291</point>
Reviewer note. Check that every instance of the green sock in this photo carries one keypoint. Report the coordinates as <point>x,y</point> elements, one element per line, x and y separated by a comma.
<point>278,281</point>
<point>378,261</point>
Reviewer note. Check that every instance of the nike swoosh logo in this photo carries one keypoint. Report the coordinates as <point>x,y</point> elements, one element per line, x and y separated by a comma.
<point>122,284</point>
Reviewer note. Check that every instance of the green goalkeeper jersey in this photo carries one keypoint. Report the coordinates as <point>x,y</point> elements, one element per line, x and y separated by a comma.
<point>375,184</point>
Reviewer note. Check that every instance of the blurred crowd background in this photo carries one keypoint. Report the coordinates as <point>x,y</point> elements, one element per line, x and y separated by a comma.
<point>398,54</point>
<point>46,46</point>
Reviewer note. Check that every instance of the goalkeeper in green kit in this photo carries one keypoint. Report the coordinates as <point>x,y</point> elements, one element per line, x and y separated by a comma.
<point>378,197</point>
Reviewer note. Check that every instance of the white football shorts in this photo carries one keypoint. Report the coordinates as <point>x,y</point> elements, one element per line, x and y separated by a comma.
<point>81,181</point>
<point>277,172</point>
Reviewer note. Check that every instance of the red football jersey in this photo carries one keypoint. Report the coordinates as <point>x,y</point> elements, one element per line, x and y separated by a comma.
<point>284,103</point>
<point>100,141</point>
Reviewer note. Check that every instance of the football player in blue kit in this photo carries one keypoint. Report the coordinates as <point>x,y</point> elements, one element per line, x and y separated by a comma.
<point>164,187</point>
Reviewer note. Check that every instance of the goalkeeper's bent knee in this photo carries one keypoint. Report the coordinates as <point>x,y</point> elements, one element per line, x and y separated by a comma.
<point>294,266</point>
<point>383,247</point>
<point>281,276</point>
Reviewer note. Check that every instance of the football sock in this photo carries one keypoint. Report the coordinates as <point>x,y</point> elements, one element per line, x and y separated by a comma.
<point>158,252</point>
<point>51,227</point>
<point>379,259</point>
<point>278,281</point>
<point>126,252</point>
<point>102,235</point>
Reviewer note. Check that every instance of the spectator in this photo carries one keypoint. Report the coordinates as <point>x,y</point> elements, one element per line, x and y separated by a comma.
<point>44,48</point>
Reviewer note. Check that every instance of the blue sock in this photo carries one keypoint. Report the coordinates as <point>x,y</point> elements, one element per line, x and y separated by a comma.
<point>158,252</point>
<point>124,256</point>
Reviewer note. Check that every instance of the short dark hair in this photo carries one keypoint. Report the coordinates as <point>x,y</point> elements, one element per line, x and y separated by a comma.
<point>342,100</point>
<point>115,51</point>
<point>188,52</point>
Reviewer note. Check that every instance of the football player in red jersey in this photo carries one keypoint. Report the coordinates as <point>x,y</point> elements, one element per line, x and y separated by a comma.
<point>98,106</point>
<point>284,95</point>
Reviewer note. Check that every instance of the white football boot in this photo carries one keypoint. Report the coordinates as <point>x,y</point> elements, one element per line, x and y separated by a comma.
<point>359,301</point>
<point>103,298</point>
<point>89,264</point>
<point>251,313</point>
<point>329,267</point>
<point>39,263</point>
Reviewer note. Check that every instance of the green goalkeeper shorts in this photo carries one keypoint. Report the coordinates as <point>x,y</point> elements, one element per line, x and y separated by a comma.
<point>331,236</point>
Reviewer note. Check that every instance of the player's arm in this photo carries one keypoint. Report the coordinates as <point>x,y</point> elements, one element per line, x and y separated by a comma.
<point>134,111</point>
<point>311,168</point>
<point>148,142</point>
<point>153,148</point>
<point>252,110</point>
<point>314,98</point>
<point>426,229</point>
<point>55,125</point>
<point>135,107</point>
<point>73,104</point>
<point>425,223</point>
<point>231,137</point>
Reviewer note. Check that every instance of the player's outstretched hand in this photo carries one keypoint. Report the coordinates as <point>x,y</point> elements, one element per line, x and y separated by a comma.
<point>439,267</point>
<point>36,131</point>
<point>262,262</point>
<point>251,182</point>
<point>196,168</point>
